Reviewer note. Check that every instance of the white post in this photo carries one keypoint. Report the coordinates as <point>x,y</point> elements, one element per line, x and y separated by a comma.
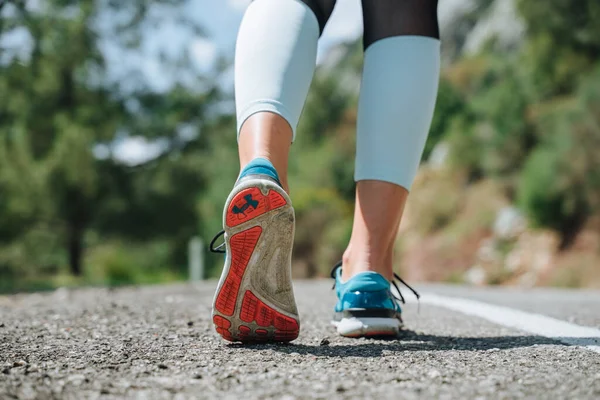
<point>196,259</point>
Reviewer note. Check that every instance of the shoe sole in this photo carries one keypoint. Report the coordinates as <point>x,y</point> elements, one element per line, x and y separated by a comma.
<point>254,300</point>
<point>368,327</point>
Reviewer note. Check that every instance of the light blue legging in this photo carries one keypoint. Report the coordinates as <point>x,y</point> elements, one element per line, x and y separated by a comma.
<point>275,62</point>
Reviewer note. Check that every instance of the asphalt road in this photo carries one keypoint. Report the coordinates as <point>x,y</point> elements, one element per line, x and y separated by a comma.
<point>158,343</point>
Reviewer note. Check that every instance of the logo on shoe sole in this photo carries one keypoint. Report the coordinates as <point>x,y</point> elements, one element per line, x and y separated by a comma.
<point>250,202</point>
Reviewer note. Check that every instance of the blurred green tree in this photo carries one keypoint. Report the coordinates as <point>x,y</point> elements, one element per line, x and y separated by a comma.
<point>62,104</point>
<point>560,184</point>
<point>563,41</point>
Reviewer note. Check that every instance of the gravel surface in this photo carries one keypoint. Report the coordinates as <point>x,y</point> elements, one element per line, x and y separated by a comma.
<point>158,343</point>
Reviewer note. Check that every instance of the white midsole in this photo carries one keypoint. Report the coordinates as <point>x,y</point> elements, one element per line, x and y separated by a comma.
<point>358,326</point>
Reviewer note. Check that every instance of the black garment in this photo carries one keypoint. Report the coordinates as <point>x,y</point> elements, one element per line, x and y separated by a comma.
<point>322,9</point>
<point>387,18</point>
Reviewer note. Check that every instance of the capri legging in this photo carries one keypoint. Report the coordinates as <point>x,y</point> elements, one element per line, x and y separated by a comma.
<point>275,61</point>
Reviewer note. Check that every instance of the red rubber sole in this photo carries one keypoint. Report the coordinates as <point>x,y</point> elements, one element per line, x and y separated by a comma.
<point>264,322</point>
<point>250,203</point>
<point>242,247</point>
<point>254,310</point>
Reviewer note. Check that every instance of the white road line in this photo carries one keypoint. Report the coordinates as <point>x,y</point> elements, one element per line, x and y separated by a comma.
<point>541,325</point>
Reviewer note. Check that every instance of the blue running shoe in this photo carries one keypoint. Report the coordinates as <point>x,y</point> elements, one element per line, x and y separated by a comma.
<point>366,305</point>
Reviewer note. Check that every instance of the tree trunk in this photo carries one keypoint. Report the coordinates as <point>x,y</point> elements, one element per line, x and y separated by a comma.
<point>76,250</point>
<point>570,228</point>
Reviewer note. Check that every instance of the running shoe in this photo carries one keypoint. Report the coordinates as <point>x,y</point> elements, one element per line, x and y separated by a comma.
<point>366,305</point>
<point>254,300</point>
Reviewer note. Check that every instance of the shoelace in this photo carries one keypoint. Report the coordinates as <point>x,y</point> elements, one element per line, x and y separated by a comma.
<point>396,276</point>
<point>217,249</point>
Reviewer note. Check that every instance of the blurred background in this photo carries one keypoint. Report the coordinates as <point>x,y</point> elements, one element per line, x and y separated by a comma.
<point>118,145</point>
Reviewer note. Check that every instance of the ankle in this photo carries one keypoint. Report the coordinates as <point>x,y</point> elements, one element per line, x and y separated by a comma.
<point>355,262</point>
<point>269,136</point>
<point>264,165</point>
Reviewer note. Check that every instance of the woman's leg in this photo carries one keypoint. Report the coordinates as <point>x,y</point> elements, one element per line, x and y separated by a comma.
<point>274,64</point>
<point>397,100</point>
<point>275,61</point>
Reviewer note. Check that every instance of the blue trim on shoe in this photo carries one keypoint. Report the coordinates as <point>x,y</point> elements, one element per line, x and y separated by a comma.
<point>260,166</point>
<point>364,291</point>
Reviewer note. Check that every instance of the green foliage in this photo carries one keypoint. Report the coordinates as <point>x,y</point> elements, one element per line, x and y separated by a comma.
<point>525,120</point>
<point>560,184</point>
<point>504,133</point>
<point>324,108</point>
<point>55,192</point>
<point>563,42</point>
<point>531,122</point>
<point>118,263</point>
<point>448,105</point>
<point>491,134</point>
